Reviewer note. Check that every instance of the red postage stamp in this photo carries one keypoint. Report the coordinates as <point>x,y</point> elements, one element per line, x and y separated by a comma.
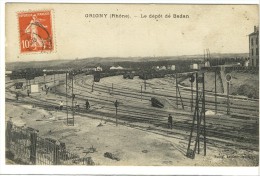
<point>35,30</point>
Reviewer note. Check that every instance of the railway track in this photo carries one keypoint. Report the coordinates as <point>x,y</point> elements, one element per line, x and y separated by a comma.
<point>232,131</point>
<point>235,109</point>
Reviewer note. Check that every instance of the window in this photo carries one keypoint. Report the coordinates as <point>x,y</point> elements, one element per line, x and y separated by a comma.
<point>252,51</point>
<point>252,41</point>
<point>257,52</point>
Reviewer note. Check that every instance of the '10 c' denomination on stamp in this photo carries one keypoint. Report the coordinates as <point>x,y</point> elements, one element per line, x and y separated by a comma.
<point>35,28</point>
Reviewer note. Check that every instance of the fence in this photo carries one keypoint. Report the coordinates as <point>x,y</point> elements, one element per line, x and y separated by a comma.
<point>26,145</point>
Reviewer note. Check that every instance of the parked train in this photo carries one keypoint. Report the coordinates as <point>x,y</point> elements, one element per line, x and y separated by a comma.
<point>28,73</point>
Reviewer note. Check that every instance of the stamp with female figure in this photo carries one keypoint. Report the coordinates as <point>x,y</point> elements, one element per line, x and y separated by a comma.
<point>35,28</point>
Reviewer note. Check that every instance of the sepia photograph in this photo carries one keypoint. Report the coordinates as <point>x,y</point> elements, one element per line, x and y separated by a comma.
<point>131,84</point>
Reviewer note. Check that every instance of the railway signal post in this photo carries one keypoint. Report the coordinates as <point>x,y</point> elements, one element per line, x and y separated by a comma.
<point>192,79</point>
<point>198,117</point>
<point>216,103</point>
<point>70,121</point>
<point>228,79</point>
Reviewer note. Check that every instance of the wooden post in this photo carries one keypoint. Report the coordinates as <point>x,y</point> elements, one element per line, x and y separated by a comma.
<point>33,139</point>
<point>92,89</point>
<point>8,134</point>
<point>141,92</point>
<point>116,116</point>
<point>116,105</point>
<point>54,85</point>
<point>56,154</point>
<point>112,88</point>
<point>145,84</point>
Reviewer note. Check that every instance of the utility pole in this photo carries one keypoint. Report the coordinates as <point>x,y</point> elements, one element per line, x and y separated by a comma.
<point>198,116</point>
<point>176,89</point>
<point>67,98</point>
<point>72,99</point>
<point>203,111</point>
<point>191,106</point>
<point>216,103</point>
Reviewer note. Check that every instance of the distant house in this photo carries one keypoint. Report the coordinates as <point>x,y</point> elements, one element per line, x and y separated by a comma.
<point>246,62</point>
<point>8,73</point>
<point>194,66</point>
<point>163,68</point>
<point>116,68</point>
<point>207,64</point>
<point>172,67</point>
<point>98,68</point>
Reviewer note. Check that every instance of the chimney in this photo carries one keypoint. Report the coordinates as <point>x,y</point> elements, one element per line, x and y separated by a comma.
<point>254,28</point>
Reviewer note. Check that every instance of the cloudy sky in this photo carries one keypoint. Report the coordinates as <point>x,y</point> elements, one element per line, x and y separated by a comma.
<point>221,28</point>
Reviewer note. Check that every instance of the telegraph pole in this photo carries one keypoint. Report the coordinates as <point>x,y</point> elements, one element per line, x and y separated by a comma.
<point>216,103</point>
<point>176,89</point>
<point>203,111</point>
<point>67,98</point>
<point>72,99</point>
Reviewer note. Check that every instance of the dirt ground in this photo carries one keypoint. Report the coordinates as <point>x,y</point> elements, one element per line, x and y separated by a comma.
<point>131,146</point>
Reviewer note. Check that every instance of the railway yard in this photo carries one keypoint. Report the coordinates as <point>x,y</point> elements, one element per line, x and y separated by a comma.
<point>137,134</point>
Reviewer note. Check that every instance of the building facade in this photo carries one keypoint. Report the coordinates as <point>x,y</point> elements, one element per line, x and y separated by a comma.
<point>254,48</point>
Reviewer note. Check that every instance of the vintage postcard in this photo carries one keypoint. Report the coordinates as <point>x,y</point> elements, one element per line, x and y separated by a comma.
<point>131,84</point>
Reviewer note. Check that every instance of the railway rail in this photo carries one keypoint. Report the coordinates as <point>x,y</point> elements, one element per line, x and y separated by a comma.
<point>229,130</point>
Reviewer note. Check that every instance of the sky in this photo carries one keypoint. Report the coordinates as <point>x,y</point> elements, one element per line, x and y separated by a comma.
<point>220,28</point>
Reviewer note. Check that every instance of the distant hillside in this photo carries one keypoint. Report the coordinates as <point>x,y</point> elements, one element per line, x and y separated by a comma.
<point>108,61</point>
